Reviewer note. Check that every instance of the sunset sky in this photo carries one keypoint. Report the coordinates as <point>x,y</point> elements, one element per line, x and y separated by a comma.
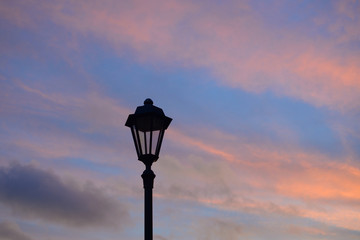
<point>264,96</point>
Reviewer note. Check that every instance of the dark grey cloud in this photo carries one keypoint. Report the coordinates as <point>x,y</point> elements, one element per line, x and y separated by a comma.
<point>11,231</point>
<point>35,193</point>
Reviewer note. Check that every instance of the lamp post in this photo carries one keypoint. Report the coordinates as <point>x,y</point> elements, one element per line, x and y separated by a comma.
<point>148,125</point>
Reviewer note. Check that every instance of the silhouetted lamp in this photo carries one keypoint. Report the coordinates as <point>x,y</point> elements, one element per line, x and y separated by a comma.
<point>148,125</point>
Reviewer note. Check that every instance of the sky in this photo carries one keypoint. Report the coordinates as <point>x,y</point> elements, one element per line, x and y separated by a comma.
<point>265,101</point>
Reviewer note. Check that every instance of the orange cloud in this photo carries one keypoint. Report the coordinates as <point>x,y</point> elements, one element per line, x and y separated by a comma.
<point>332,182</point>
<point>274,179</point>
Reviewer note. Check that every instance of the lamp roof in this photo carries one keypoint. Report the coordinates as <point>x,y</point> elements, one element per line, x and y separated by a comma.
<point>148,117</point>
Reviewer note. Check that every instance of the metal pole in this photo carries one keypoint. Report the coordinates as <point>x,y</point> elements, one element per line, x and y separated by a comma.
<point>148,180</point>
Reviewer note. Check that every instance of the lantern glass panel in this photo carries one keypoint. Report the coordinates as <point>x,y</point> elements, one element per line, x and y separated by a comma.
<point>136,138</point>
<point>159,141</point>
<point>154,141</point>
<point>142,142</point>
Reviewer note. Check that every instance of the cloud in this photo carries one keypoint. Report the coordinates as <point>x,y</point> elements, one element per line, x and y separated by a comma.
<point>226,172</point>
<point>11,231</point>
<point>301,230</point>
<point>90,114</point>
<point>344,26</point>
<point>34,193</point>
<point>215,228</point>
<point>98,110</point>
<point>239,47</point>
<point>158,237</point>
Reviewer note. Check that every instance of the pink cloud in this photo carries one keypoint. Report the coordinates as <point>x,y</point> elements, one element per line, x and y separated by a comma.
<point>239,48</point>
<point>178,137</point>
<point>299,230</point>
<point>262,178</point>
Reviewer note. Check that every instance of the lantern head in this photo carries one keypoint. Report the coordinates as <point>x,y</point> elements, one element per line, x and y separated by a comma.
<point>148,125</point>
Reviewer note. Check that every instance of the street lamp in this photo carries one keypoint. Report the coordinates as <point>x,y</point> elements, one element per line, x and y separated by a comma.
<point>148,125</point>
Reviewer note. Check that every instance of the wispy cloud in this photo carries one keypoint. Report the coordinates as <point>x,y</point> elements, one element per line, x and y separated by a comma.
<point>11,231</point>
<point>255,58</point>
<point>214,228</point>
<point>258,170</point>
